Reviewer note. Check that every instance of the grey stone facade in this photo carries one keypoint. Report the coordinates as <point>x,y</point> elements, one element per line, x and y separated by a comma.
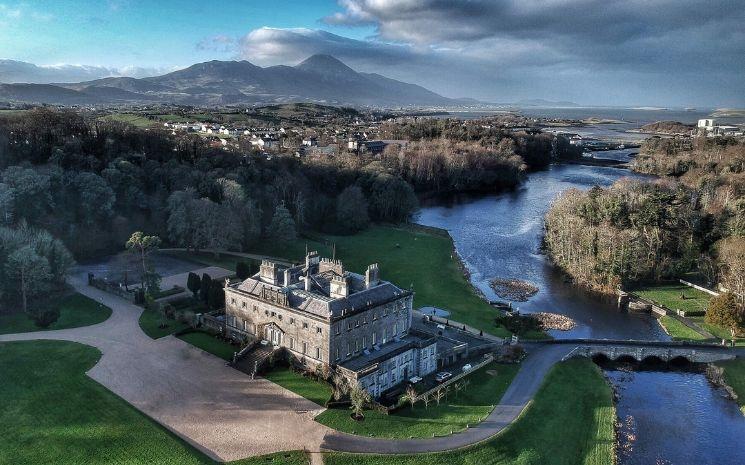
<point>323,314</point>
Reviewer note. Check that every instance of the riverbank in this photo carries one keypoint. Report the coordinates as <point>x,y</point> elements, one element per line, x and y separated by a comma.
<point>733,373</point>
<point>571,420</point>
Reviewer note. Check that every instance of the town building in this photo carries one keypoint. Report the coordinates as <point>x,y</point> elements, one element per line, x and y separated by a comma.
<point>321,313</point>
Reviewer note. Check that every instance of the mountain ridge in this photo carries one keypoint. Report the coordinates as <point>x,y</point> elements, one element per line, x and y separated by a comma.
<point>319,79</point>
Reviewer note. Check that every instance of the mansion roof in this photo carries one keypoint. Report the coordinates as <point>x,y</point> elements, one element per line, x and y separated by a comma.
<point>287,287</point>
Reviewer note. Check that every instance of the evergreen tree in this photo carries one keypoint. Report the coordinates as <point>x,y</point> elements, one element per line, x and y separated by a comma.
<point>242,270</point>
<point>205,287</point>
<point>351,209</point>
<point>194,283</point>
<point>282,227</point>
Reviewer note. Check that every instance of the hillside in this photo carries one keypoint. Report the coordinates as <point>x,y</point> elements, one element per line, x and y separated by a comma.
<point>319,79</point>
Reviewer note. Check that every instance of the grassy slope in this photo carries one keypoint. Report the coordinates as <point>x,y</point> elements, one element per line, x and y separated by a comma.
<point>150,321</point>
<point>469,407</point>
<point>678,331</point>
<point>668,295</point>
<point>734,375</point>
<point>75,310</point>
<point>211,344</point>
<point>53,413</point>
<point>570,421</point>
<point>310,389</point>
<point>407,257</point>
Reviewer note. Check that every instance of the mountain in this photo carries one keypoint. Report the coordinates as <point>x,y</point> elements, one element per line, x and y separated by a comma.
<point>539,102</point>
<point>319,79</point>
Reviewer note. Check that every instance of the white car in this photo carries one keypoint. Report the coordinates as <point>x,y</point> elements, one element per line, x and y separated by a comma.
<point>467,367</point>
<point>414,379</point>
<point>443,376</point>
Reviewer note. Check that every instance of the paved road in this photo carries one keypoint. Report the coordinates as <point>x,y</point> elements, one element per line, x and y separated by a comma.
<point>219,410</point>
<point>534,368</point>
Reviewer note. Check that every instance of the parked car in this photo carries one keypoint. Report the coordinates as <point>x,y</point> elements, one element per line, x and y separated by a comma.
<point>443,376</point>
<point>414,379</point>
<point>467,367</point>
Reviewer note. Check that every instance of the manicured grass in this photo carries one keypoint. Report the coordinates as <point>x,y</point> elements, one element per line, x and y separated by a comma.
<point>570,421</point>
<point>718,331</point>
<point>210,343</point>
<point>209,259</point>
<point>407,257</point>
<point>53,413</point>
<point>311,389</point>
<point>75,310</point>
<point>150,324</point>
<point>468,407</point>
<point>734,375</point>
<point>678,331</point>
<point>668,295</point>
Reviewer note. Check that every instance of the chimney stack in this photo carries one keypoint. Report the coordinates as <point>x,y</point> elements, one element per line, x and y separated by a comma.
<point>372,276</point>
<point>339,287</point>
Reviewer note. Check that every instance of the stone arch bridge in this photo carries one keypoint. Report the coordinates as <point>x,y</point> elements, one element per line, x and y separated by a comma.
<point>646,350</point>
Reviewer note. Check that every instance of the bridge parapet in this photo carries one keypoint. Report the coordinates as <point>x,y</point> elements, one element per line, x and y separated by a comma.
<point>641,353</point>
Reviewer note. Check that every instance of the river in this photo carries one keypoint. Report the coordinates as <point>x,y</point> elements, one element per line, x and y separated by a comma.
<point>675,417</point>
<point>500,236</point>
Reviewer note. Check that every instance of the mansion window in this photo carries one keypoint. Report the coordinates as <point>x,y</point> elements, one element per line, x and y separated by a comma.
<point>364,342</point>
<point>349,349</point>
<point>232,301</point>
<point>385,335</point>
<point>336,353</point>
<point>356,345</point>
<point>375,337</point>
<point>318,330</point>
<point>318,353</point>
<point>305,347</point>
<point>357,323</point>
<point>375,316</point>
<point>349,325</point>
<point>305,325</point>
<point>338,329</point>
<point>292,343</point>
<point>256,309</point>
<point>292,321</point>
<point>243,304</point>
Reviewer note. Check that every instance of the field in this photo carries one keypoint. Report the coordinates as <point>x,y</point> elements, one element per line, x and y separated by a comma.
<point>129,118</point>
<point>468,407</point>
<point>53,413</point>
<point>312,390</point>
<point>669,295</point>
<point>734,375</point>
<point>75,310</point>
<point>678,331</point>
<point>211,344</point>
<point>570,421</point>
<point>413,257</point>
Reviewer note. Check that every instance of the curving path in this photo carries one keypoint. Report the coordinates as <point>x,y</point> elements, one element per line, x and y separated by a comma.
<point>227,415</point>
<point>219,410</point>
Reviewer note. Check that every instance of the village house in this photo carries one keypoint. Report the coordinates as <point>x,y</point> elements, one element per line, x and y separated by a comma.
<point>323,314</point>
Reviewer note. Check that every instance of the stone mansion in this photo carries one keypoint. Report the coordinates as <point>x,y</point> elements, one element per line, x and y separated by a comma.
<point>323,314</point>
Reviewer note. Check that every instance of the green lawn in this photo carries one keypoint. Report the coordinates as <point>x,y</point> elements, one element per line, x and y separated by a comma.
<point>469,407</point>
<point>129,118</point>
<point>53,413</point>
<point>734,375</point>
<point>669,295</point>
<point>150,324</point>
<point>678,331</point>
<point>407,257</point>
<point>75,310</point>
<point>209,259</point>
<point>718,331</point>
<point>210,343</point>
<point>570,421</point>
<point>311,389</point>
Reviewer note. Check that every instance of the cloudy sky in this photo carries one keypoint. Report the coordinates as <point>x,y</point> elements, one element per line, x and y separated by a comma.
<point>601,52</point>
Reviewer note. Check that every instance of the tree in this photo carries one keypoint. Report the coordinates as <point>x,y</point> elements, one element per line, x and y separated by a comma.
<point>725,311</point>
<point>426,399</point>
<point>339,385</point>
<point>457,386</point>
<point>193,283</point>
<point>439,394</point>
<point>142,246</point>
<point>30,271</point>
<point>360,398</point>
<point>243,270</point>
<point>282,227</point>
<point>216,296</point>
<point>351,209</point>
<point>410,395</point>
<point>204,290</point>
